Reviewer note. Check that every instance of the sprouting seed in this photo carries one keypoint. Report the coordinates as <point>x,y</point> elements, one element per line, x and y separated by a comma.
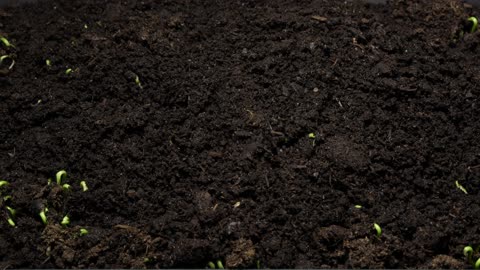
<point>66,187</point>
<point>220,265</point>
<point>358,206</point>
<point>3,183</point>
<point>68,71</point>
<point>311,135</point>
<point>6,42</point>
<point>459,186</point>
<point>83,232</point>
<point>85,26</point>
<point>60,176</point>
<point>11,222</point>
<point>468,252</point>
<point>65,221</point>
<point>12,211</point>
<point>48,63</point>
<point>211,265</point>
<point>49,181</point>
<point>474,24</point>
<point>3,57</point>
<point>378,229</point>
<point>84,186</point>
<point>6,198</point>
<point>477,264</point>
<point>43,216</point>
<point>137,81</point>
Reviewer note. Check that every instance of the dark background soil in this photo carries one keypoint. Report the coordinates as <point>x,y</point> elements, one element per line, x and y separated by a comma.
<point>231,90</point>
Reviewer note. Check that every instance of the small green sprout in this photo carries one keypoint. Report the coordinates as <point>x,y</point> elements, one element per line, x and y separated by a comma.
<point>459,186</point>
<point>83,232</point>
<point>6,198</point>
<point>474,24</point>
<point>68,71</point>
<point>358,206</point>
<point>66,187</point>
<point>85,26</point>
<point>60,176</point>
<point>3,183</point>
<point>6,42</point>
<point>3,57</point>
<point>137,81</point>
<point>378,229</point>
<point>211,265</point>
<point>311,135</point>
<point>49,181</point>
<point>468,252</point>
<point>220,265</point>
<point>12,211</point>
<point>258,264</point>
<point>84,186</point>
<point>48,63</point>
<point>11,222</point>
<point>65,221</point>
<point>477,264</point>
<point>43,216</point>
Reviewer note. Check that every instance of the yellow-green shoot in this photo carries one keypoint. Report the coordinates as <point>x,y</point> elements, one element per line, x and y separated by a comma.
<point>3,57</point>
<point>6,42</point>
<point>83,231</point>
<point>48,63</point>
<point>468,252</point>
<point>3,183</point>
<point>11,222</point>
<point>12,211</point>
<point>84,186</point>
<point>358,206</point>
<point>68,71</point>
<point>137,81</point>
<point>219,265</point>
<point>477,264</point>
<point>474,24</point>
<point>459,186</point>
<point>378,229</point>
<point>60,176</point>
<point>66,187</point>
<point>65,221</point>
<point>43,216</point>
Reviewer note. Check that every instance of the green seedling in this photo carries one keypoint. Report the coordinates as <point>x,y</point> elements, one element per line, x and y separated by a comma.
<point>312,136</point>
<point>358,206</point>
<point>43,216</point>
<point>211,265</point>
<point>477,264</point>
<point>60,176</point>
<point>378,229</point>
<point>11,222</point>
<point>66,187</point>
<point>48,63</point>
<point>3,183</point>
<point>6,198</point>
<point>68,71</point>
<point>65,221</point>
<point>474,24</point>
<point>83,232</point>
<point>84,186</point>
<point>137,81</point>
<point>6,42</point>
<point>468,252</point>
<point>12,211</point>
<point>459,186</point>
<point>3,57</point>
<point>49,181</point>
<point>85,26</point>
<point>219,265</point>
<point>258,264</point>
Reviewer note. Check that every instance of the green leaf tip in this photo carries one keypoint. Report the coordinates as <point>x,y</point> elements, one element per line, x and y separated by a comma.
<point>459,186</point>
<point>60,176</point>
<point>6,42</point>
<point>378,229</point>
<point>65,221</point>
<point>3,183</point>
<point>311,135</point>
<point>474,24</point>
<point>83,231</point>
<point>220,265</point>
<point>84,186</point>
<point>11,222</point>
<point>358,206</point>
<point>211,265</point>
<point>43,216</point>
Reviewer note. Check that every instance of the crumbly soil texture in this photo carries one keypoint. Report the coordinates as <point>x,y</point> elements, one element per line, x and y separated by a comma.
<point>269,134</point>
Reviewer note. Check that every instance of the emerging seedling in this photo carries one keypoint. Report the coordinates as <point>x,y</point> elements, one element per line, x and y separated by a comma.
<point>378,229</point>
<point>312,136</point>
<point>68,71</point>
<point>11,222</point>
<point>60,176</point>
<point>84,186</point>
<point>468,252</point>
<point>3,57</point>
<point>211,265</point>
<point>43,216</point>
<point>477,264</point>
<point>474,24</point>
<point>6,42</point>
<point>65,221</point>
<point>6,198</point>
<point>137,81</point>
<point>358,206</point>
<point>3,183</point>
<point>48,63</point>
<point>83,232</point>
<point>66,187</point>
<point>12,211</point>
<point>461,187</point>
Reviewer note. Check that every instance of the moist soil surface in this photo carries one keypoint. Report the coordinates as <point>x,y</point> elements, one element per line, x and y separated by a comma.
<point>249,132</point>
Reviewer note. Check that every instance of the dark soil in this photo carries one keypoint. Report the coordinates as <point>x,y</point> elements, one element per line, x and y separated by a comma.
<point>210,157</point>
